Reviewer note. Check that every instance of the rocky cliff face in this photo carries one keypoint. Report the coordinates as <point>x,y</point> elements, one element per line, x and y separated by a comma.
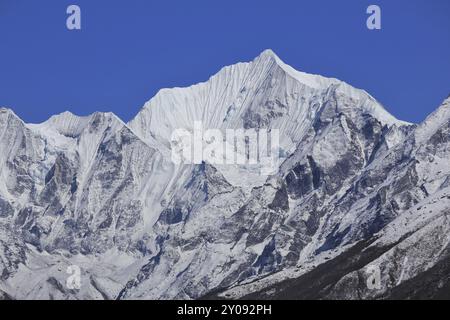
<point>103,195</point>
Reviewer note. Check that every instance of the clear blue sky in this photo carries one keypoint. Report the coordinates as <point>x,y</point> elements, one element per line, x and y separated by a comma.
<point>128,50</point>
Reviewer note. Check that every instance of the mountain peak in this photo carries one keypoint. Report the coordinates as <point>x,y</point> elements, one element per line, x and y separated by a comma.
<point>268,54</point>
<point>310,80</point>
<point>71,125</point>
<point>434,121</point>
<point>4,110</point>
<point>7,113</point>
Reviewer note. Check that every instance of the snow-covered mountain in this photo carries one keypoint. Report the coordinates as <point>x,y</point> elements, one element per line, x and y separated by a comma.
<point>355,187</point>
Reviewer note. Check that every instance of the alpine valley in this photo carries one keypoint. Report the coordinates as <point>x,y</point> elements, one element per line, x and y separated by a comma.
<point>357,190</point>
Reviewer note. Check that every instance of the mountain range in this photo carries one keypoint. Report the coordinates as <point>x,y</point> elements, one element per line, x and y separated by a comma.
<point>358,196</point>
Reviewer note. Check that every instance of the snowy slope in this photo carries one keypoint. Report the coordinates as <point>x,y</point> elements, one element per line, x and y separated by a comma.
<point>105,196</point>
<point>411,248</point>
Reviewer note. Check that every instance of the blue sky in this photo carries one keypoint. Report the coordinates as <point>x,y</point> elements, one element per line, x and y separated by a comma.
<point>128,50</point>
